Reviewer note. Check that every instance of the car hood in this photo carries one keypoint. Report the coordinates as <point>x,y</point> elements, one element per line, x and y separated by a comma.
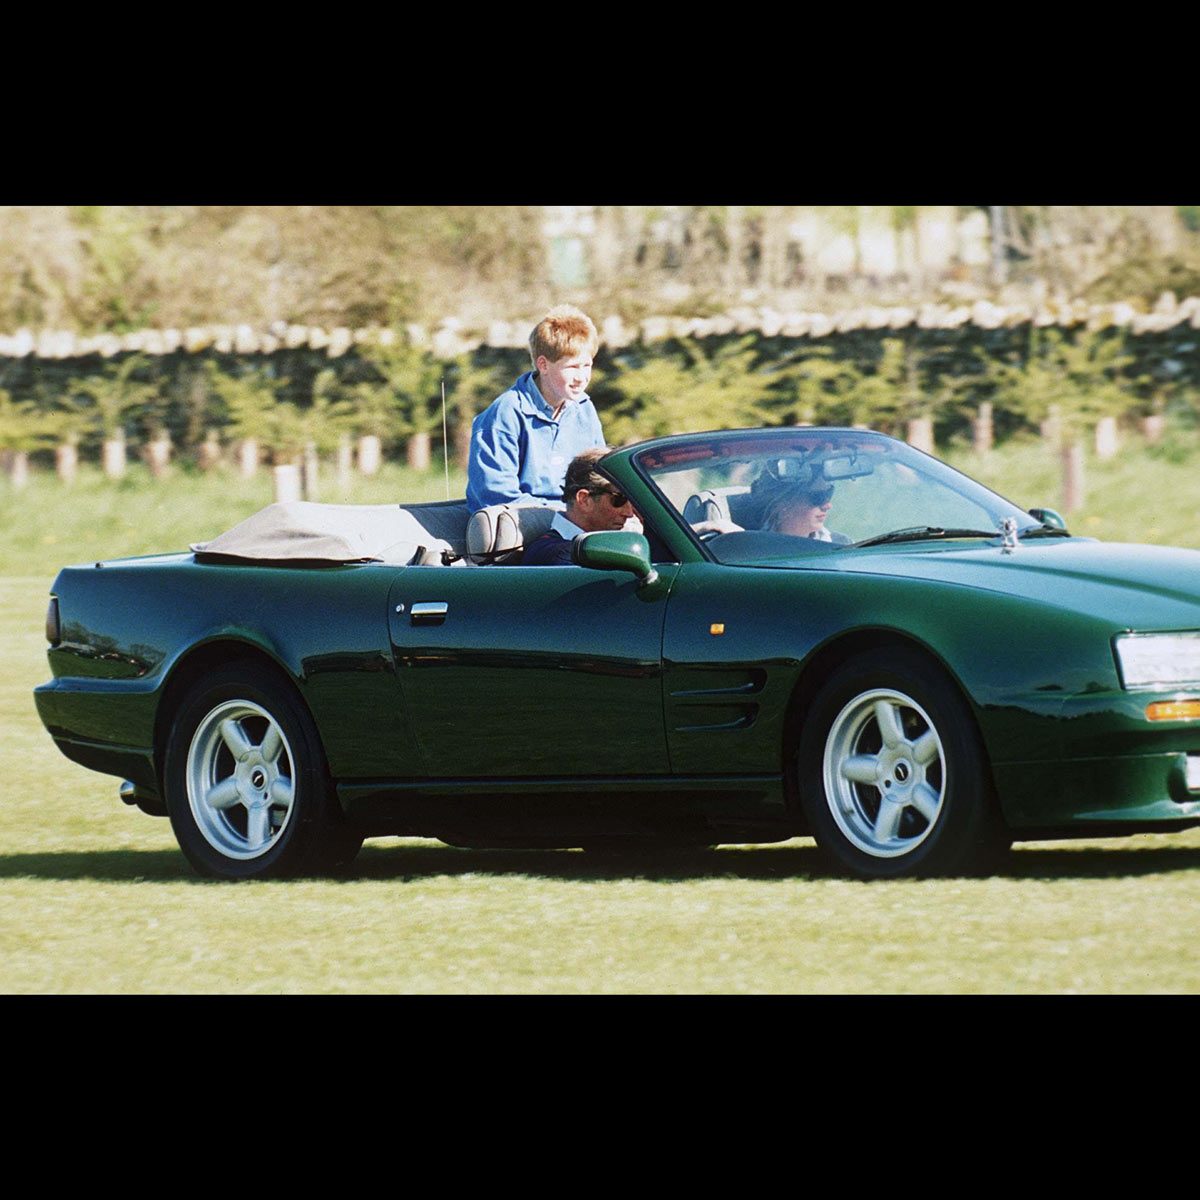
<point>1139,587</point>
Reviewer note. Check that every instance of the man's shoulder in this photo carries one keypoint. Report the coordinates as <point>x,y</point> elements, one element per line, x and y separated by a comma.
<point>549,549</point>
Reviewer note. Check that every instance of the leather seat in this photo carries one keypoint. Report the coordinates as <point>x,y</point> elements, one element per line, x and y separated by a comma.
<point>716,504</point>
<point>705,506</point>
<point>438,553</point>
<point>498,533</point>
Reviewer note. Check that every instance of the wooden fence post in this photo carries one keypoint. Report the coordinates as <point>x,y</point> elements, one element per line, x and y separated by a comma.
<point>419,451</point>
<point>113,454</point>
<point>344,463</point>
<point>248,457</point>
<point>369,454</point>
<point>209,452</point>
<point>1073,489</point>
<point>287,482</point>
<point>983,429</point>
<point>920,434</point>
<point>158,454</point>
<point>310,473</point>
<point>66,461</point>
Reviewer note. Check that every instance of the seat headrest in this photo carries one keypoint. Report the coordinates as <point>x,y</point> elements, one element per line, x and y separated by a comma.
<point>498,533</point>
<point>706,506</point>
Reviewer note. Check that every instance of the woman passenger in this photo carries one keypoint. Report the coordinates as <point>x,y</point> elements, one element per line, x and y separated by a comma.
<point>800,511</point>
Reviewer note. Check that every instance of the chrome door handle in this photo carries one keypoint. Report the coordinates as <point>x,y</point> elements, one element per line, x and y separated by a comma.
<point>433,613</point>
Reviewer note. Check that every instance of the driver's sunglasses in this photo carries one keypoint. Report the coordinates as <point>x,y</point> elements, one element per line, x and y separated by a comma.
<point>617,499</point>
<point>820,499</point>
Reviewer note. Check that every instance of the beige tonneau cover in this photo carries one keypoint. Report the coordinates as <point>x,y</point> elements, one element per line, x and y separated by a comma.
<point>304,531</point>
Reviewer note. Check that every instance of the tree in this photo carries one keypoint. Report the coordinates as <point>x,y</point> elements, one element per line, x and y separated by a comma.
<point>293,434</point>
<point>663,393</point>
<point>470,388</point>
<point>1107,252</point>
<point>68,419</point>
<point>114,395</point>
<point>297,434</point>
<point>336,413</point>
<point>410,377</point>
<point>821,388</point>
<point>889,392</point>
<point>23,428</point>
<point>1066,386</point>
<point>248,399</point>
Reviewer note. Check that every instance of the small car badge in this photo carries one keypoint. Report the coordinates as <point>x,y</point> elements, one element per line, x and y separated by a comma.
<point>1008,527</point>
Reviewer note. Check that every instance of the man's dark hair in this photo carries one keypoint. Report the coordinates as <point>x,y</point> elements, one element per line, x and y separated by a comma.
<point>582,473</point>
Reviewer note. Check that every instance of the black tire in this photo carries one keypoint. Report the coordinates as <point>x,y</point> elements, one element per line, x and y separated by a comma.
<point>247,787</point>
<point>892,773</point>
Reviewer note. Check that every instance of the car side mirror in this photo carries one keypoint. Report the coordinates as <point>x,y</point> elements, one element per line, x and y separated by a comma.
<point>615,550</point>
<point>1048,516</point>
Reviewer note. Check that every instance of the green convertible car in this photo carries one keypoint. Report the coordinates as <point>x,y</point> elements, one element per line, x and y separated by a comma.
<point>817,632</point>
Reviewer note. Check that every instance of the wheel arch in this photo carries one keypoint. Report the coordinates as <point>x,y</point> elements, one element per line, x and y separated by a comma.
<point>827,659</point>
<point>201,660</point>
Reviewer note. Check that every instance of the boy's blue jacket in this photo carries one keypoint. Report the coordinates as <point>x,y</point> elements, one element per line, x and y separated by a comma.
<point>518,452</point>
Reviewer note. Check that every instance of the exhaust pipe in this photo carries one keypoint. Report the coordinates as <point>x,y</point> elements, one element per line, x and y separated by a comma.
<point>132,795</point>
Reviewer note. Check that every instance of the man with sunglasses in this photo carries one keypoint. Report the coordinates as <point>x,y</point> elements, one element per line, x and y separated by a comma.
<point>593,504</point>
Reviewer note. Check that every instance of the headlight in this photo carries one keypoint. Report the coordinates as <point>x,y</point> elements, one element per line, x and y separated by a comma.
<point>1158,660</point>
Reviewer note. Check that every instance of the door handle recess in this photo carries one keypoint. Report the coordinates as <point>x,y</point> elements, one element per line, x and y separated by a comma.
<point>432,613</point>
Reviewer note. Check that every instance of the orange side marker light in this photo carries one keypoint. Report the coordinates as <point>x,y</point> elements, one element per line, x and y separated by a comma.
<point>1173,710</point>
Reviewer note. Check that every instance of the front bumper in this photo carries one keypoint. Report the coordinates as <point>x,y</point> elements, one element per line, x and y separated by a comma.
<point>1110,794</point>
<point>1115,770</point>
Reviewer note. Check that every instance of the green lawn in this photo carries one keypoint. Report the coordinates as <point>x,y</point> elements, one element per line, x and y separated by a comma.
<point>96,897</point>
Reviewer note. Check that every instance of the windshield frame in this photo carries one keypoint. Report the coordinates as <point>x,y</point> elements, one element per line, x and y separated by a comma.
<point>726,444</point>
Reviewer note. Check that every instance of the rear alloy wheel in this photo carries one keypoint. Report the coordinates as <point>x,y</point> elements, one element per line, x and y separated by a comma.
<point>893,777</point>
<point>247,788</point>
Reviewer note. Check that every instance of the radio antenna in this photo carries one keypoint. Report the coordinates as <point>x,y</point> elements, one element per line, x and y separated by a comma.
<point>445,440</point>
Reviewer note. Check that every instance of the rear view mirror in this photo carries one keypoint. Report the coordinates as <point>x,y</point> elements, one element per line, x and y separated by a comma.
<point>846,466</point>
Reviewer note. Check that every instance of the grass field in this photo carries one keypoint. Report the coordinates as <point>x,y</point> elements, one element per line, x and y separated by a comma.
<point>97,898</point>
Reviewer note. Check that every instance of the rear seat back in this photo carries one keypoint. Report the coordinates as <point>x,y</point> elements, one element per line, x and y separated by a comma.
<point>498,533</point>
<point>734,503</point>
<point>442,536</point>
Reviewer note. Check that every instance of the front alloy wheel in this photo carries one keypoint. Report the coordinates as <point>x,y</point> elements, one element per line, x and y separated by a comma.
<point>892,772</point>
<point>884,773</point>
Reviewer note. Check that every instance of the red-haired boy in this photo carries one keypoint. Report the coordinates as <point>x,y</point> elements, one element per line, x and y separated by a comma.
<point>522,443</point>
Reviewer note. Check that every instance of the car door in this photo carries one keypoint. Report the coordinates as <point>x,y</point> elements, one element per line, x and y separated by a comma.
<point>511,671</point>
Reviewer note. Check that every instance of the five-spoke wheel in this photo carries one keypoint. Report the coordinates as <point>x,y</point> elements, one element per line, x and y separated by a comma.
<point>240,779</point>
<point>892,773</point>
<point>884,772</point>
<point>247,788</point>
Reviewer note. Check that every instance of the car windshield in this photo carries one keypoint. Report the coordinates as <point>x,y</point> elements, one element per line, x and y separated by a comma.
<point>779,494</point>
